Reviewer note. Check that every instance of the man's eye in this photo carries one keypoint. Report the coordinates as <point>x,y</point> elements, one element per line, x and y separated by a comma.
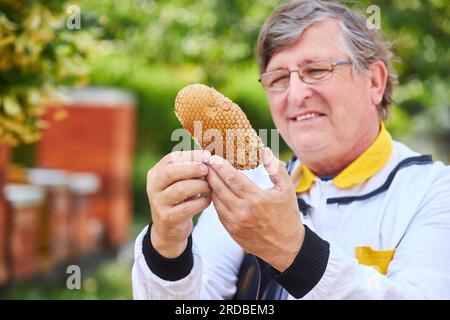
<point>315,72</point>
<point>279,80</point>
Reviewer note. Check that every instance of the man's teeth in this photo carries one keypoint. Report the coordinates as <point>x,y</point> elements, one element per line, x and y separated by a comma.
<point>307,116</point>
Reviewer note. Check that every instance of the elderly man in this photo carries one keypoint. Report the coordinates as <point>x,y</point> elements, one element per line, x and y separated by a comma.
<point>355,215</point>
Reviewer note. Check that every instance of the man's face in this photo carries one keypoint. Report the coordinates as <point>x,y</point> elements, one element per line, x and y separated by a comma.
<point>343,102</point>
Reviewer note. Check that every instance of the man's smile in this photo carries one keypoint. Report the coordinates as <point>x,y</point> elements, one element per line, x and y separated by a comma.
<point>306,117</point>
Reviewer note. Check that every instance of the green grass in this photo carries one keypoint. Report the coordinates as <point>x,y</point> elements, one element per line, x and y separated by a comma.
<point>109,281</point>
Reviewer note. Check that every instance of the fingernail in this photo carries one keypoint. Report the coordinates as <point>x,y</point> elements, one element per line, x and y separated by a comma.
<point>268,155</point>
<point>205,156</point>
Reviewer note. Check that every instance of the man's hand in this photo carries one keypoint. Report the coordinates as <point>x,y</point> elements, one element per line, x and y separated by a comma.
<point>265,223</point>
<point>174,188</point>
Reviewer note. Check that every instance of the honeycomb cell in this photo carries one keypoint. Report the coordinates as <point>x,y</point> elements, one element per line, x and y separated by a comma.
<point>240,144</point>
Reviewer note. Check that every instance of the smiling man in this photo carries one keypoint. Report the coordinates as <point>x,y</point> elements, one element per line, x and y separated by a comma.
<point>356,215</point>
<point>324,110</point>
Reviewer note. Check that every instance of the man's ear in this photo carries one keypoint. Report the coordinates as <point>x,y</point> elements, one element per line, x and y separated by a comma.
<point>378,79</point>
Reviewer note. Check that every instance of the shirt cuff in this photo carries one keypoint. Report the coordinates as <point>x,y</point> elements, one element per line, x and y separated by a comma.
<point>308,267</point>
<point>168,269</point>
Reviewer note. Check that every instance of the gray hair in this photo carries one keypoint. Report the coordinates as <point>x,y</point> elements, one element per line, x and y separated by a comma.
<point>363,45</point>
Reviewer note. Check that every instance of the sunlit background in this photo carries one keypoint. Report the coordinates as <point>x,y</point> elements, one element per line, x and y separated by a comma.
<point>87,91</point>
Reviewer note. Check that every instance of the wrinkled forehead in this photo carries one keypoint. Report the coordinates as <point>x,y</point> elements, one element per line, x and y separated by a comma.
<point>319,41</point>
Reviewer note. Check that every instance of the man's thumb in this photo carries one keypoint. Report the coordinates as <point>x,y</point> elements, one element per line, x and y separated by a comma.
<point>275,169</point>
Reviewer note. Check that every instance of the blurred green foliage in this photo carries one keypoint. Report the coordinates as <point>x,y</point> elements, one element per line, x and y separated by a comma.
<point>110,280</point>
<point>37,53</point>
<point>157,47</point>
<point>419,31</point>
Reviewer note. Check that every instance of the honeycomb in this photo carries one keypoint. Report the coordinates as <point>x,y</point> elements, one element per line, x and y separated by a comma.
<point>218,125</point>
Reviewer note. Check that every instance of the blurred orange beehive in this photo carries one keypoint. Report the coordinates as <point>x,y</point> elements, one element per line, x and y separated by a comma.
<point>97,135</point>
<point>4,156</point>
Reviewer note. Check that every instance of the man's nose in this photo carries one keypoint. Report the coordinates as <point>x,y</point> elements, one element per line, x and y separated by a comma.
<point>298,90</point>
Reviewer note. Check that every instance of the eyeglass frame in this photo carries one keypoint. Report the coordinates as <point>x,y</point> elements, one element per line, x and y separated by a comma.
<point>302,78</point>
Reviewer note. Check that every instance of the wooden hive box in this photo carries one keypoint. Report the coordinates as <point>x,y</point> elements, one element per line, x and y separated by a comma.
<point>4,157</point>
<point>24,207</point>
<point>96,136</point>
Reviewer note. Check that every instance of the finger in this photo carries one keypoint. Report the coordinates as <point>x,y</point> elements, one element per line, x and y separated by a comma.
<point>157,177</point>
<point>188,209</point>
<point>220,188</point>
<point>276,170</point>
<point>223,212</point>
<point>174,172</point>
<point>182,190</point>
<point>201,156</point>
<point>235,180</point>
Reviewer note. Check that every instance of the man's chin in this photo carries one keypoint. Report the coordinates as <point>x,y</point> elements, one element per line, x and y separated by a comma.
<point>310,146</point>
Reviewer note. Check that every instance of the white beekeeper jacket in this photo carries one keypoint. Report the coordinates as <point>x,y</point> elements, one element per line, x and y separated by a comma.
<point>378,230</point>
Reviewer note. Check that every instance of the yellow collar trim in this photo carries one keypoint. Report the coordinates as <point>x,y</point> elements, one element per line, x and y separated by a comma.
<point>366,165</point>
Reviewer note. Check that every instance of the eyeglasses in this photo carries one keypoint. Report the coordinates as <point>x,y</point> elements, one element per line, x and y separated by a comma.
<point>278,80</point>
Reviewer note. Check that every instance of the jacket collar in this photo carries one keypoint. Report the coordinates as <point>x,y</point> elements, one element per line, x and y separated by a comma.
<point>372,160</point>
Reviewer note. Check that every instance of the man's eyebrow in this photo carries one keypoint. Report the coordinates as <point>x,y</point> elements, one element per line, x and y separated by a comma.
<point>276,69</point>
<point>305,61</point>
<point>311,60</point>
